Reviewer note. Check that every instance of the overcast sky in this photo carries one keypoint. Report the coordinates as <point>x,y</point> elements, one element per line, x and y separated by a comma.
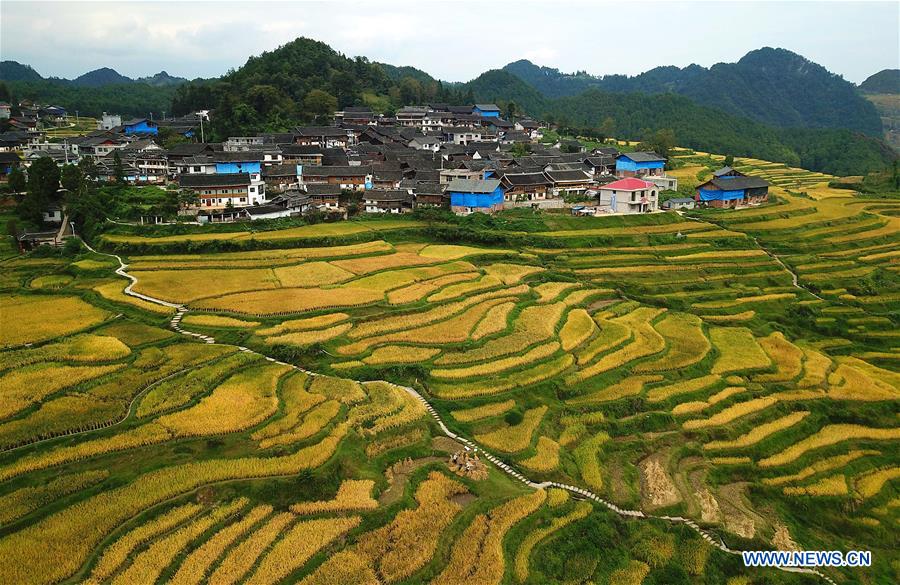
<point>452,40</point>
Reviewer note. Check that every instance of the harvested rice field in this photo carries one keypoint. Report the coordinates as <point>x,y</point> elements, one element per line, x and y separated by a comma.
<point>304,416</point>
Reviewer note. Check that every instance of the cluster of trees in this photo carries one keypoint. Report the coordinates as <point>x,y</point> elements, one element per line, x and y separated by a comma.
<point>131,99</point>
<point>41,188</point>
<point>87,202</point>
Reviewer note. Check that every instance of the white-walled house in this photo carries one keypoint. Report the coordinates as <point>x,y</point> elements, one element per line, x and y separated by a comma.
<point>217,191</point>
<point>630,196</point>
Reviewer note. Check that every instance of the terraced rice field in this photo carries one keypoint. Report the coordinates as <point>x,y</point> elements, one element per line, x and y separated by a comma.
<point>667,373</point>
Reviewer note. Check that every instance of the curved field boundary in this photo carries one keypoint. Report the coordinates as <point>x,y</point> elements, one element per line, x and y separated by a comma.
<point>500,464</point>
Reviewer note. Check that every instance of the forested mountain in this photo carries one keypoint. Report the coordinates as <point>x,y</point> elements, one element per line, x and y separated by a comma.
<point>774,86</point>
<point>552,82</point>
<point>836,151</point>
<point>15,71</point>
<point>129,99</point>
<point>161,79</point>
<point>501,86</point>
<point>304,80</point>
<point>885,81</point>
<point>100,77</point>
<point>95,92</point>
<point>397,73</point>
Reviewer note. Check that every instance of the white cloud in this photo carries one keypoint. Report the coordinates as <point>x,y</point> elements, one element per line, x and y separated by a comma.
<point>454,40</point>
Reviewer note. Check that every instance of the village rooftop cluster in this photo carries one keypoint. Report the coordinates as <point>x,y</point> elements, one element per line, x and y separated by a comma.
<point>465,158</point>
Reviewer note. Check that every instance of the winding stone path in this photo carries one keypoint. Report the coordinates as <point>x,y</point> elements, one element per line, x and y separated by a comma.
<point>580,493</point>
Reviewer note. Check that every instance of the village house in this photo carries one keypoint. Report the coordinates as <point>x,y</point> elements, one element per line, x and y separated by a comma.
<point>324,136</point>
<point>352,178</point>
<point>639,164</point>
<point>430,143</point>
<point>109,121</point>
<point>302,154</point>
<point>731,188</point>
<point>475,196</point>
<point>139,126</point>
<point>525,186</point>
<point>239,143</point>
<point>294,200</point>
<point>446,176</point>
<point>222,190</point>
<point>648,166</point>
<point>323,195</point>
<point>355,115</point>
<point>279,177</point>
<point>461,135</point>
<point>411,116</point>
<point>629,195</point>
<point>8,162</point>
<point>427,194</point>
<point>486,110</point>
<point>387,201</point>
<point>569,182</point>
<point>678,203</point>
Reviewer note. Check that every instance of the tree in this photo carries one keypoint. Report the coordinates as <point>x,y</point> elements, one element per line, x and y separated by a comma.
<point>410,91</point>
<point>17,180</point>
<point>88,169</point>
<point>42,186</point>
<point>188,198</point>
<point>608,127</point>
<point>729,160</point>
<point>519,149</point>
<point>118,169</point>
<point>512,110</point>
<point>319,103</point>
<point>71,178</point>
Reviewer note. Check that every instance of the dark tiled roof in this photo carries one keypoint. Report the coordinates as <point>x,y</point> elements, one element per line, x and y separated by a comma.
<point>224,180</point>
<point>473,185</point>
<point>317,131</point>
<point>280,171</point>
<point>241,156</point>
<point>525,179</point>
<point>337,171</point>
<point>306,149</point>
<point>190,149</point>
<point>323,189</point>
<point>643,156</point>
<point>724,171</point>
<point>567,176</point>
<point>737,183</point>
<point>386,195</point>
<point>263,209</point>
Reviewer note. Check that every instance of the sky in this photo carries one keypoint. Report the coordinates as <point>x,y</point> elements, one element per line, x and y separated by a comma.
<point>452,40</point>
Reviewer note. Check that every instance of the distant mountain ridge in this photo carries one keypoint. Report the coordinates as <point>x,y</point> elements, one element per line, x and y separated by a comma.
<point>773,86</point>
<point>15,71</point>
<point>101,77</point>
<point>885,81</point>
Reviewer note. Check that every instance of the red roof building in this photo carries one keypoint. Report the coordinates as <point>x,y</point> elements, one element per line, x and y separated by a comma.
<point>629,195</point>
<point>629,184</point>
